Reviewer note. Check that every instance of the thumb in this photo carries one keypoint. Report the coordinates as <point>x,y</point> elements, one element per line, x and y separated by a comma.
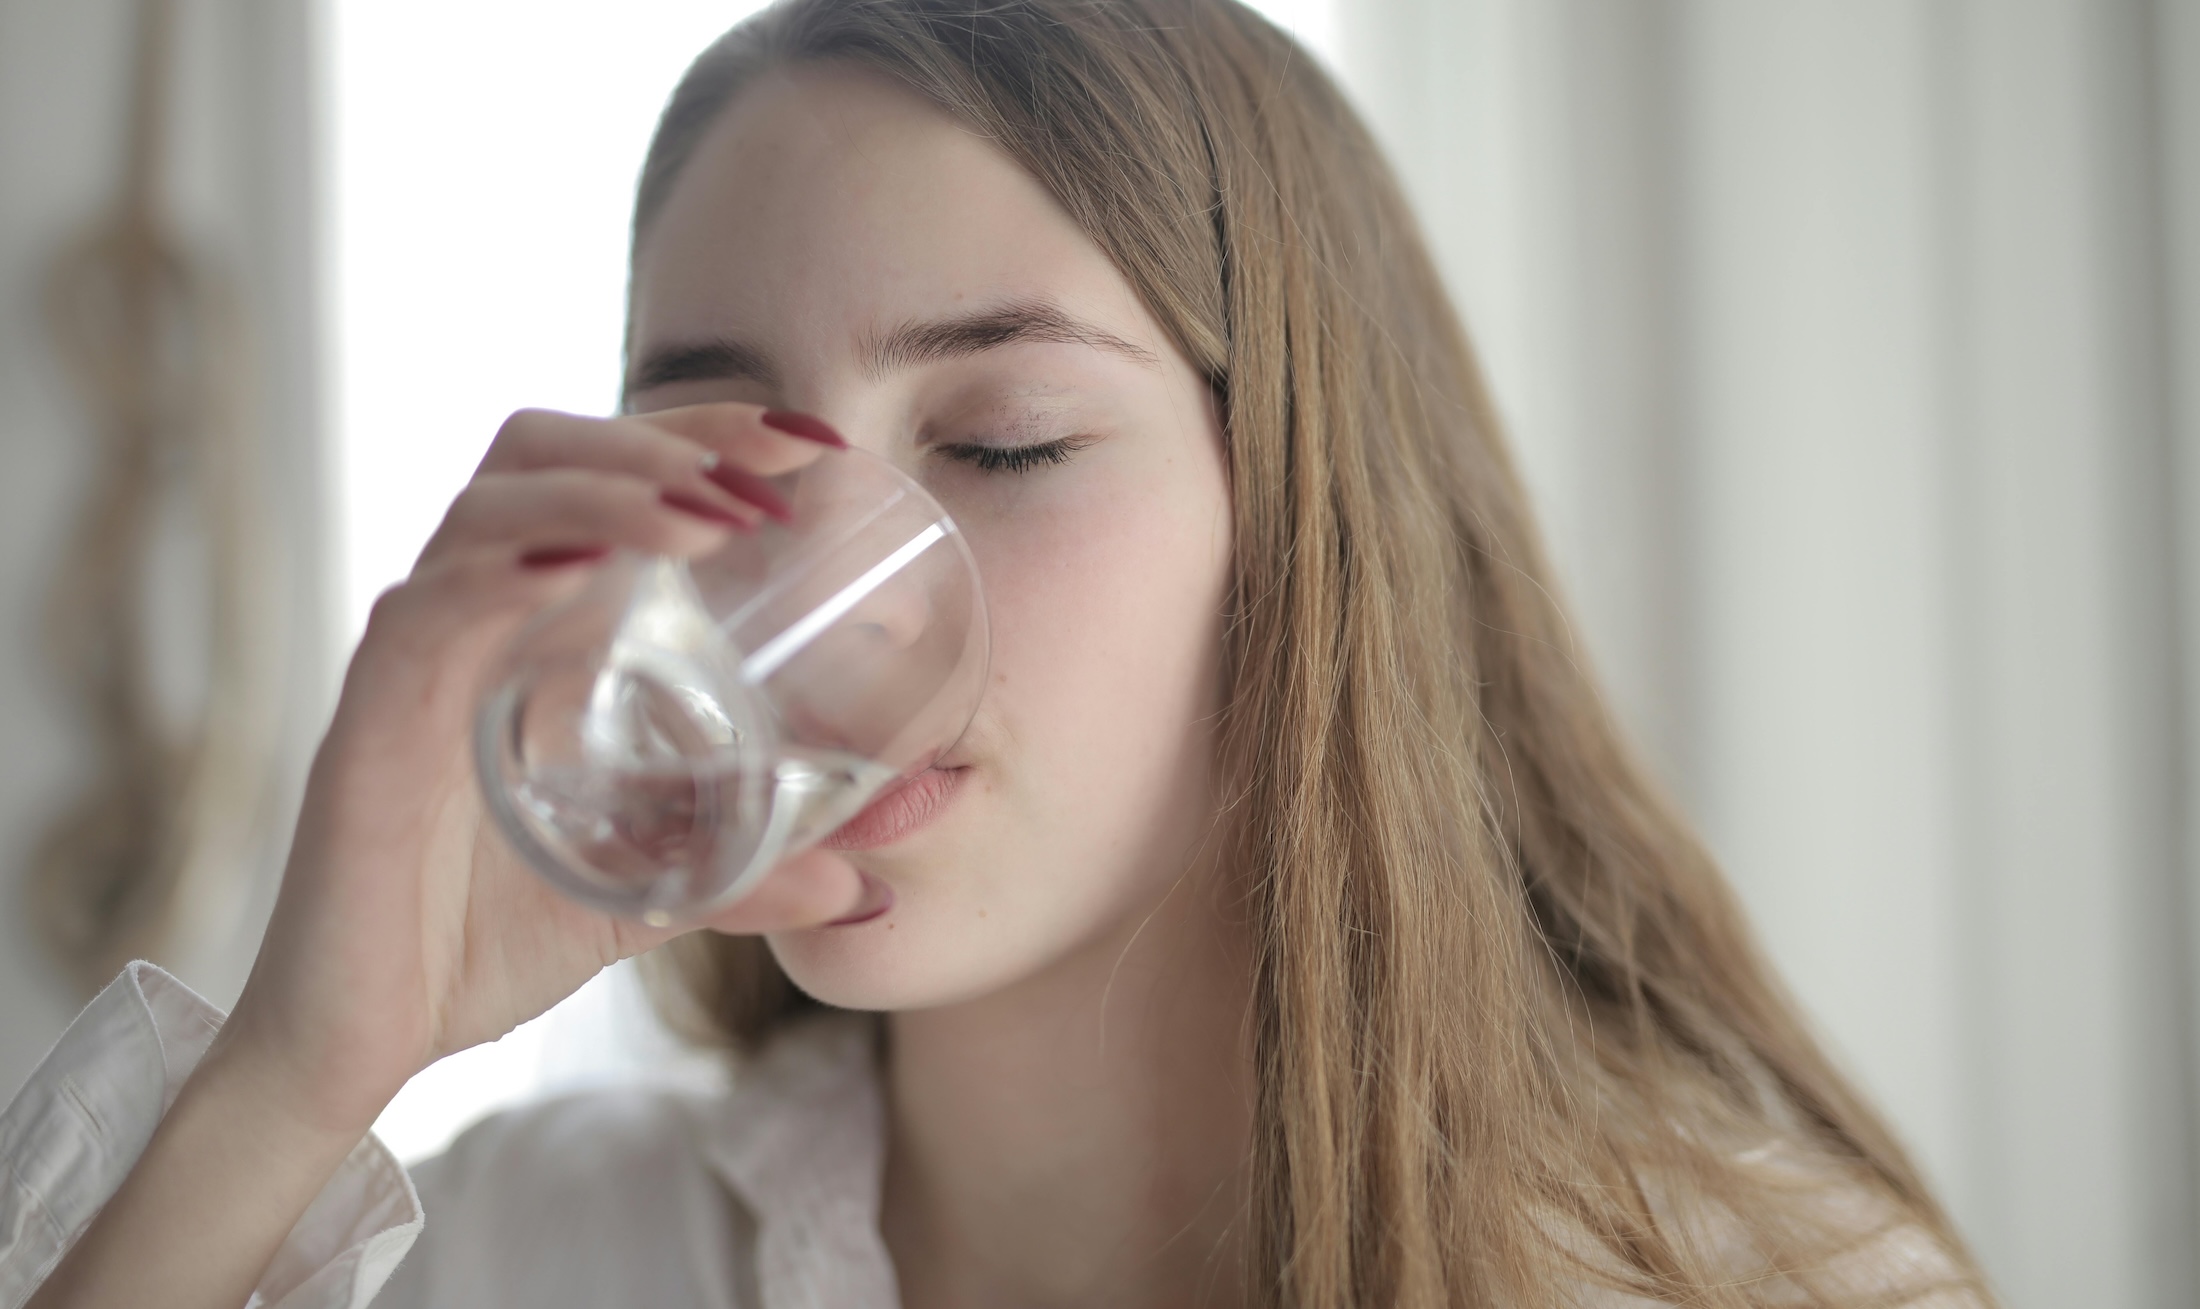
<point>810,890</point>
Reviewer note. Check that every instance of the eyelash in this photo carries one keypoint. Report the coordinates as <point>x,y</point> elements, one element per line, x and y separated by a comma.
<point>1014,458</point>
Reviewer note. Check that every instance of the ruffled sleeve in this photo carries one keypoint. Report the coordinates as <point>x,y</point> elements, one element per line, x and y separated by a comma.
<point>77,1127</point>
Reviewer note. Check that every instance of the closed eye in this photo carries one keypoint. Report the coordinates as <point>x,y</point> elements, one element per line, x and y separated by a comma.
<point>1015,458</point>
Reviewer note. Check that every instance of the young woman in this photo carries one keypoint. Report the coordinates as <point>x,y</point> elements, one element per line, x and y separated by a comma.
<point>1291,927</point>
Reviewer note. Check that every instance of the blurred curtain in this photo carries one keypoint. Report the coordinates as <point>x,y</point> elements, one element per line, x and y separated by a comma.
<point>238,202</point>
<point>1852,348</point>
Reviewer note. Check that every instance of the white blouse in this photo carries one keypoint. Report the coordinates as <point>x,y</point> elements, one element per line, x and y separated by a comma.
<point>762,1197</point>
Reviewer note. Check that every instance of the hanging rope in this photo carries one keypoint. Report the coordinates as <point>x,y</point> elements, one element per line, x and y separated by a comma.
<point>152,852</point>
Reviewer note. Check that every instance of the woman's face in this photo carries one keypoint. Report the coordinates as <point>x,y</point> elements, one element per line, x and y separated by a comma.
<point>873,262</point>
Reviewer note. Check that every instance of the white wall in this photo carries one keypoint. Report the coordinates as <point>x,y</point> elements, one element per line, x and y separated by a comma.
<point>1849,347</point>
<point>243,195</point>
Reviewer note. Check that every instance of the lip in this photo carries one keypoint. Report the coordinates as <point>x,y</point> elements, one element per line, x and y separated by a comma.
<point>899,810</point>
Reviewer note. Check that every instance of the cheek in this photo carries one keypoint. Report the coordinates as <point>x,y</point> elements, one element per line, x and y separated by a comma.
<point>1106,626</point>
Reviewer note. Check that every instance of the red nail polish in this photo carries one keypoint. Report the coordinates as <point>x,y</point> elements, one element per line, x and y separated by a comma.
<point>804,426</point>
<point>748,486</point>
<point>559,556</point>
<point>698,507</point>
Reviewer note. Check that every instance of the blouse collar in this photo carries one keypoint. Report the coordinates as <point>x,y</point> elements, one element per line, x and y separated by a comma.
<point>802,1142</point>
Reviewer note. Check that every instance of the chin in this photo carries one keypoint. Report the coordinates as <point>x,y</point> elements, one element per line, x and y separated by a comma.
<point>882,965</point>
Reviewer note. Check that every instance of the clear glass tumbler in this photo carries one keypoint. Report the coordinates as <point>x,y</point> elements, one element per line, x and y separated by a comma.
<point>656,744</point>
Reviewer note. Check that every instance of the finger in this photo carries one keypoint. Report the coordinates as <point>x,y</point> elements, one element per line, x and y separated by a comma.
<point>809,890</point>
<point>766,441</point>
<point>536,439</point>
<point>573,508</point>
<point>428,639</point>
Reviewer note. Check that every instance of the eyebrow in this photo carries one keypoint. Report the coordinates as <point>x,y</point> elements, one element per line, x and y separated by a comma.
<point>1014,323</point>
<point>717,360</point>
<point>917,342</point>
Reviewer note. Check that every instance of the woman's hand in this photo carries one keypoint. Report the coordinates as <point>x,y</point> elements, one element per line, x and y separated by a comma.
<point>406,927</point>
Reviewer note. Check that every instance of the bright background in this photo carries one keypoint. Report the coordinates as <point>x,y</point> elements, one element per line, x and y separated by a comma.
<point>482,185</point>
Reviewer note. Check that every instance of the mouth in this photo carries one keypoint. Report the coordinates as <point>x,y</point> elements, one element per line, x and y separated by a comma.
<point>899,810</point>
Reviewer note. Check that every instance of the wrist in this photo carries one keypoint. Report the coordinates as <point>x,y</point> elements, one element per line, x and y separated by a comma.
<point>231,1167</point>
<point>306,1101</point>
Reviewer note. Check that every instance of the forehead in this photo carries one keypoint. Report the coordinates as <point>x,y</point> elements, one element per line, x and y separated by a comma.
<point>826,201</point>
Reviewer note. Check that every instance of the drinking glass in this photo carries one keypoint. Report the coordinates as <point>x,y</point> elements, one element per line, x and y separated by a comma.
<point>659,742</point>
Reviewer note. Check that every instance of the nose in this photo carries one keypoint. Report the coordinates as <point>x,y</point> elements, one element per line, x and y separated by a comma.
<point>894,616</point>
<point>840,598</point>
<point>874,648</point>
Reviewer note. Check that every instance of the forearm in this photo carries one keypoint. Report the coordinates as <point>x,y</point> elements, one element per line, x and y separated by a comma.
<point>226,1175</point>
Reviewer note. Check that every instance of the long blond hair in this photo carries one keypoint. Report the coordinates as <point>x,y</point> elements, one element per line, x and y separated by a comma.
<point>1513,1036</point>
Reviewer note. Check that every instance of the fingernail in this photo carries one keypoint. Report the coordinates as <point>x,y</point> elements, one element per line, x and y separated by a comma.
<point>804,426</point>
<point>703,509</point>
<point>748,486</point>
<point>878,897</point>
<point>559,556</point>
